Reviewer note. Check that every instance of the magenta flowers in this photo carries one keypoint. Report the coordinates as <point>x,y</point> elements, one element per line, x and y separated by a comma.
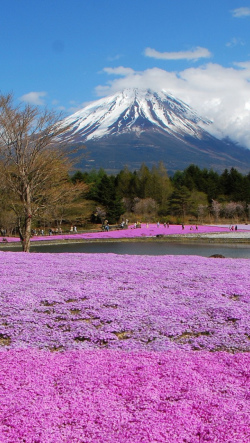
<point>112,396</point>
<point>105,348</point>
<point>150,230</point>
<point>85,301</point>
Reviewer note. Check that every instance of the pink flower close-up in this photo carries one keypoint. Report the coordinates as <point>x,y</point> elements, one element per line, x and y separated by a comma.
<point>122,348</point>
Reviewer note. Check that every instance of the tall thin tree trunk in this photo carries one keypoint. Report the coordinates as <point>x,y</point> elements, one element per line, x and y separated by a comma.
<point>27,234</point>
<point>28,221</point>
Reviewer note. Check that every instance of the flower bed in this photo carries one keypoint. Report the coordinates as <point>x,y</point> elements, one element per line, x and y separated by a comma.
<point>132,336</point>
<point>110,396</point>
<point>85,301</point>
<point>145,231</point>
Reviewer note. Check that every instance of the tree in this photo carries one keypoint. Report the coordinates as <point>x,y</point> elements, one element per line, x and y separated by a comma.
<point>179,202</point>
<point>33,163</point>
<point>143,181</point>
<point>198,204</point>
<point>108,197</point>
<point>145,206</point>
<point>70,206</point>
<point>7,216</point>
<point>233,210</point>
<point>160,185</point>
<point>94,179</point>
<point>215,209</point>
<point>127,184</point>
<point>123,180</point>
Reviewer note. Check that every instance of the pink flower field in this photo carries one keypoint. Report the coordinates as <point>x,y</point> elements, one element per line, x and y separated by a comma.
<point>151,231</point>
<point>110,348</point>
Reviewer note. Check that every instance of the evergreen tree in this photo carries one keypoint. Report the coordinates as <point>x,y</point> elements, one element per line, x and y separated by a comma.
<point>108,197</point>
<point>94,179</point>
<point>179,202</point>
<point>144,182</point>
<point>79,177</point>
<point>159,186</point>
<point>124,184</point>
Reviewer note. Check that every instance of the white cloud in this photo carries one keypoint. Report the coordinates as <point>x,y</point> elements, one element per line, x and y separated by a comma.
<point>235,42</point>
<point>74,106</point>
<point>240,12</point>
<point>194,54</point>
<point>243,65</point>
<point>218,93</point>
<point>34,98</point>
<point>119,71</point>
<point>114,58</point>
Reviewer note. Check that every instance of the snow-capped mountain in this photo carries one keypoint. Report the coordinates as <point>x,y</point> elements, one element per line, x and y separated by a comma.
<point>143,126</point>
<point>135,110</point>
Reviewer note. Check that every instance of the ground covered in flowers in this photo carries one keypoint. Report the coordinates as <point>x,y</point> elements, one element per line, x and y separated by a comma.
<point>110,348</point>
<point>145,230</point>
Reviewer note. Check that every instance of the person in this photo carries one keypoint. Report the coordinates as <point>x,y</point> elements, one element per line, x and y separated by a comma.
<point>158,224</point>
<point>75,229</point>
<point>182,226</point>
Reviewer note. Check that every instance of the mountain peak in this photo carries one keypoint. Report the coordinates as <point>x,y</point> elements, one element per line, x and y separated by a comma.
<point>136,110</point>
<point>140,125</point>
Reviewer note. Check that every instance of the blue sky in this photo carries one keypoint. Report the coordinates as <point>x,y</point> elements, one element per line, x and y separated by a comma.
<point>63,54</point>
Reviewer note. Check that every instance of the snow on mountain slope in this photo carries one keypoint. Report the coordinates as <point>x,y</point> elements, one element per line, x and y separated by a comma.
<point>135,110</point>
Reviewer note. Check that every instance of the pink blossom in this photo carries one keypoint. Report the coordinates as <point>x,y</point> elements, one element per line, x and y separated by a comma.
<point>109,348</point>
<point>151,231</point>
<point>112,396</point>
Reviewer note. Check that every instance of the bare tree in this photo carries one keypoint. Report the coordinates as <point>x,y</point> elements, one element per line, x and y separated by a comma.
<point>68,202</point>
<point>33,163</point>
<point>233,210</point>
<point>215,209</point>
<point>145,206</point>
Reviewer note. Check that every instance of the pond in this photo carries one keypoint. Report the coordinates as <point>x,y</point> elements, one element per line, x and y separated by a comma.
<point>149,248</point>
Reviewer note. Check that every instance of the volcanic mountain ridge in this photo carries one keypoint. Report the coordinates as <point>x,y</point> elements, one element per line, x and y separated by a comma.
<point>144,126</point>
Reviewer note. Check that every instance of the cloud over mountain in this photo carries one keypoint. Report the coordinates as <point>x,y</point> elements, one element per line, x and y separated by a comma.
<point>221,94</point>
<point>134,125</point>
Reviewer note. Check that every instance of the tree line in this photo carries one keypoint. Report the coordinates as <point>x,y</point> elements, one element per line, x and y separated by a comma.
<point>150,194</point>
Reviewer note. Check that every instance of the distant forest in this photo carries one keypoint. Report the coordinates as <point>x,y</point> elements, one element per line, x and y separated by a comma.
<point>196,195</point>
<point>148,195</point>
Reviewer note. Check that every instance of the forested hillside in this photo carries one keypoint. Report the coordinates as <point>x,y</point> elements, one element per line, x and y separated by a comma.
<point>150,194</point>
